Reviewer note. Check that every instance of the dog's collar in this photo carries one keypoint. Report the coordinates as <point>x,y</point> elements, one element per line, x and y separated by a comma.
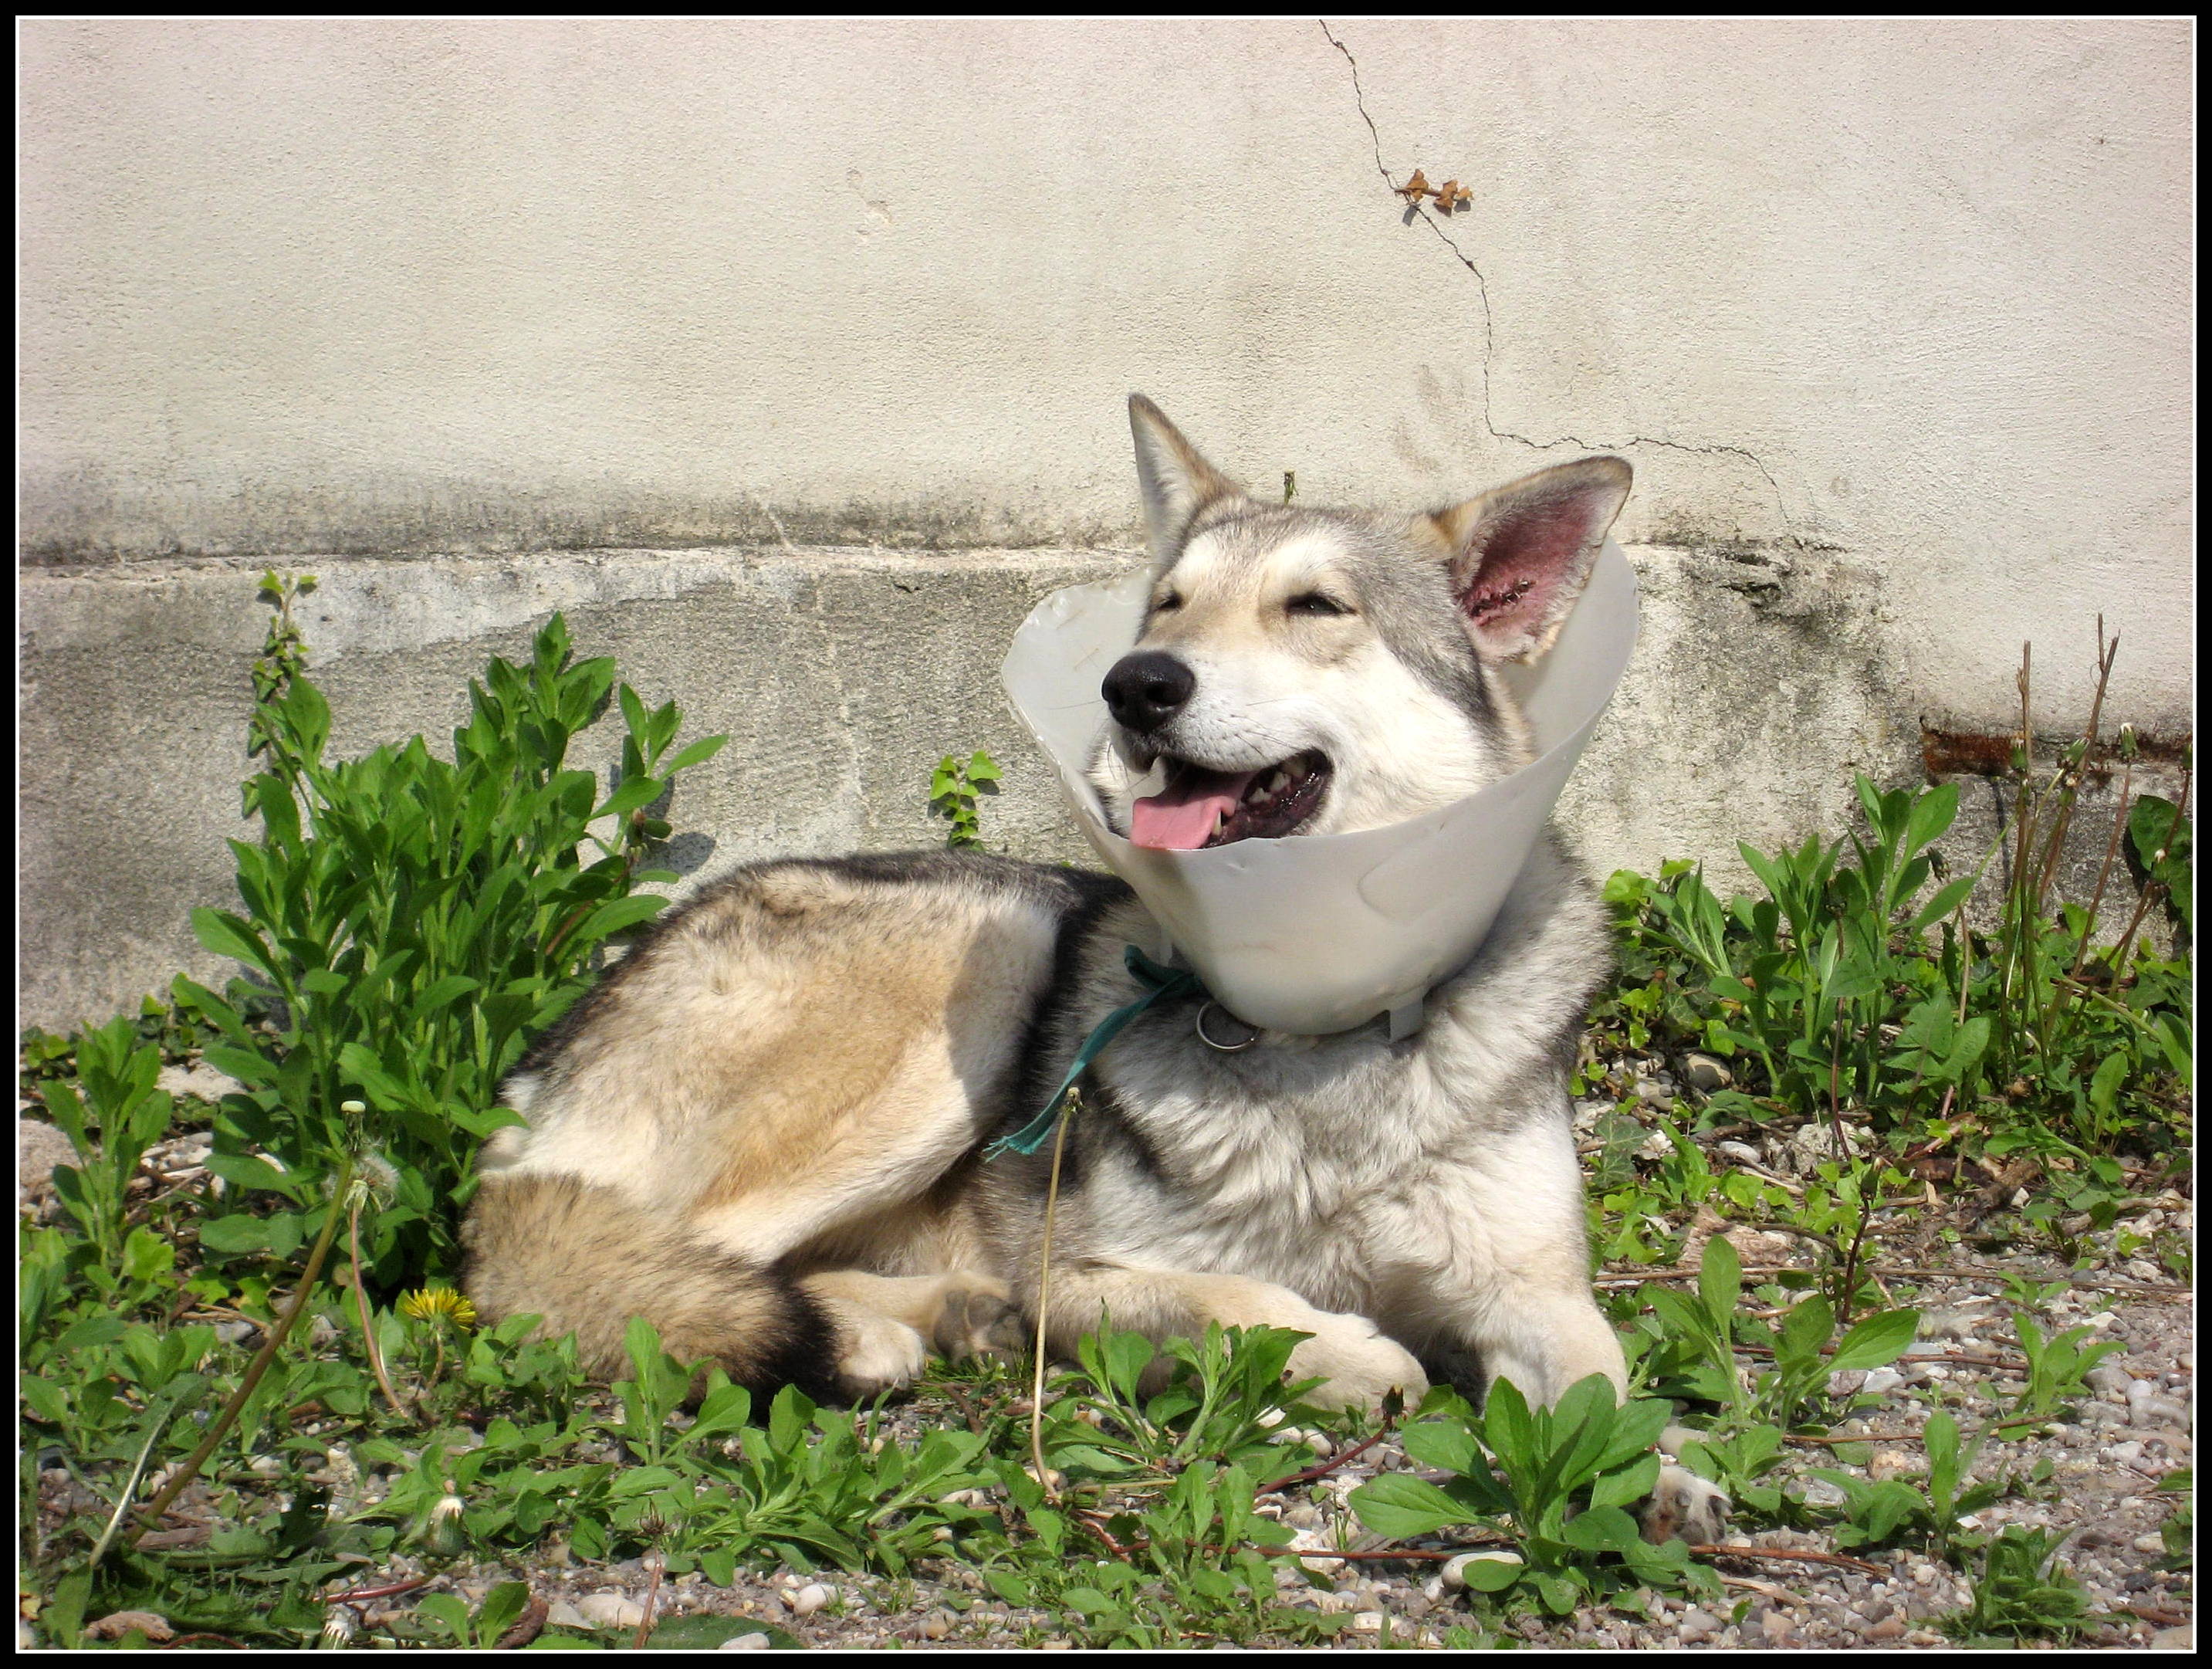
<point>1160,985</point>
<point>1228,1035</point>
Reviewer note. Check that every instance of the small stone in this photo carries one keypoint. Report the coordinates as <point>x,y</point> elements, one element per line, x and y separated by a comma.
<point>1890,1463</point>
<point>1890,1628</point>
<point>1367,1623</point>
<point>236,1332</point>
<point>809,1600</point>
<point>2148,1544</point>
<point>751,1641</point>
<point>2183,1639</point>
<point>1697,1623</point>
<point>1703,1073</point>
<point>265,1465</point>
<point>2156,1411</point>
<point>610,1611</point>
<point>937,1625</point>
<point>1950,1323</point>
<point>2107,1381</point>
<point>1775,1628</point>
<point>561,1614</point>
<point>1455,1571</point>
<point>1880,1381</point>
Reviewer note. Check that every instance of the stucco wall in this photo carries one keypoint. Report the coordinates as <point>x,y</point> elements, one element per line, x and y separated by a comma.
<point>1892,318</point>
<point>1917,290</point>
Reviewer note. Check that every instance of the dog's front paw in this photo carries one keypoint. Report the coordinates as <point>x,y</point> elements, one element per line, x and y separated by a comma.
<point>977,1321</point>
<point>877,1354</point>
<point>1683,1504</point>
<point>1359,1366</point>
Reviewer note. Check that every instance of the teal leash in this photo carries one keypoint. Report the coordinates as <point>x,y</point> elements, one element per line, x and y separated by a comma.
<point>1162,984</point>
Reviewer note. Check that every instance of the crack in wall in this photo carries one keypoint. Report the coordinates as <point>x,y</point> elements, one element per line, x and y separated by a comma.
<point>1482,289</point>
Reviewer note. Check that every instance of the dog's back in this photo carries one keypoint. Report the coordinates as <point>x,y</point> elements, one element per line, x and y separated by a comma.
<point>774,1081</point>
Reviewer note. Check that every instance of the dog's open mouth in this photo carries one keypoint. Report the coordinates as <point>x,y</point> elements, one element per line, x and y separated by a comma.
<point>1201,808</point>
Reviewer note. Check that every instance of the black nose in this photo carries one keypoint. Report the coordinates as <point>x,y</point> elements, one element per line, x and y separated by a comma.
<point>1145,691</point>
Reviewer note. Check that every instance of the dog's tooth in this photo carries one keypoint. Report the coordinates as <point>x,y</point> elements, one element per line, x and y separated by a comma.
<point>1279,781</point>
<point>1256,793</point>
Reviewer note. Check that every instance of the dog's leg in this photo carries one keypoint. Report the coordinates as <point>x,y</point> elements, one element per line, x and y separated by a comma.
<point>1513,1287</point>
<point>1357,1362</point>
<point>888,1324</point>
<point>1520,1302</point>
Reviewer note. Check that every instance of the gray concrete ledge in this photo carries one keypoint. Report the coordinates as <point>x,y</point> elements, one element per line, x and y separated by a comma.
<point>841,675</point>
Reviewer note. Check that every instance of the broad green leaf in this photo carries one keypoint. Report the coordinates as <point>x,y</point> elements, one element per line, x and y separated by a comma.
<point>1601,1530</point>
<point>695,753</point>
<point>1720,1283</point>
<point>226,936</point>
<point>1876,1342</point>
<point>1399,1505</point>
<point>1493,1576</point>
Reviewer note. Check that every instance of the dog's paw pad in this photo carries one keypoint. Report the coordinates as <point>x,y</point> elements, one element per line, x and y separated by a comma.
<point>1685,1505</point>
<point>976,1324</point>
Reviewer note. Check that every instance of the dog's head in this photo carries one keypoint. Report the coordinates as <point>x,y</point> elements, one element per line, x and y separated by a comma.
<point>1317,672</point>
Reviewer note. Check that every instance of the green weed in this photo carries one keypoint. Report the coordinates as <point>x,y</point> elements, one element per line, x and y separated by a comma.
<point>955,788</point>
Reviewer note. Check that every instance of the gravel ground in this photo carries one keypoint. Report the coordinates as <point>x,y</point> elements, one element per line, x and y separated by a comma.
<point>2106,1456</point>
<point>2106,1453</point>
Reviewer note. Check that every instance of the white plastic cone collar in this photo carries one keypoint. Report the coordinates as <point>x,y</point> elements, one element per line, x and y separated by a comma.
<point>1314,934</point>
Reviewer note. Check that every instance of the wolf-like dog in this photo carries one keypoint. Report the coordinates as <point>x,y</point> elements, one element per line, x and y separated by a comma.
<point>765,1130</point>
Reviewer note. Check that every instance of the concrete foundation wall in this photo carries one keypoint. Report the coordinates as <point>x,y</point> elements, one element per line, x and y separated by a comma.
<point>841,676</point>
<point>822,329</point>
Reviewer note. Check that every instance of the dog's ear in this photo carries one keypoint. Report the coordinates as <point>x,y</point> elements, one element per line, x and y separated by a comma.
<point>1520,555</point>
<point>1178,483</point>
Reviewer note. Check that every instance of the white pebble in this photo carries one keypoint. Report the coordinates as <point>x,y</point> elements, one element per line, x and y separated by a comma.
<point>1454,1573</point>
<point>610,1611</point>
<point>753,1641</point>
<point>809,1600</point>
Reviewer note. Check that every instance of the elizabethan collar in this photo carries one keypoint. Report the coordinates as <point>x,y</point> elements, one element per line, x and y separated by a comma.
<point>1314,934</point>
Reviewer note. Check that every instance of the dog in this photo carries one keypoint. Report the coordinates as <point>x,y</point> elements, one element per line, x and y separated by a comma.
<point>765,1130</point>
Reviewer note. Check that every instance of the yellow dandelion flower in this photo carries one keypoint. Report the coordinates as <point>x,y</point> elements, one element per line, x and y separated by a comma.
<point>438,1304</point>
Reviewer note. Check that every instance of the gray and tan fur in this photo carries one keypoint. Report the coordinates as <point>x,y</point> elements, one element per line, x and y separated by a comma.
<point>763,1131</point>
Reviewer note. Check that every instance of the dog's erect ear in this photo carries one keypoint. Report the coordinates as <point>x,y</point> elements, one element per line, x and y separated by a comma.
<point>1520,555</point>
<point>1178,483</point>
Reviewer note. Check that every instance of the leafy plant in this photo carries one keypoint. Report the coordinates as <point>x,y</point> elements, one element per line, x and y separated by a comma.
<point>1225,1395</point>
<point>412,924</point>
<point>1198,1560</point>
<point>127,1114</point>
<point>2059,1367</point>
<point>954,790</point>
<point>1880,1514</point>
<point>2022,1593</point>
<point>1701,1331</point>
<point>478,1630</point>
<point>1557,1480</point>
<point>1803,978</point>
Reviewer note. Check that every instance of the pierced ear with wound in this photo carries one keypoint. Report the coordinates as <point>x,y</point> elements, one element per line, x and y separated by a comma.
<point>1177,481</point>
<point>1520,555</point>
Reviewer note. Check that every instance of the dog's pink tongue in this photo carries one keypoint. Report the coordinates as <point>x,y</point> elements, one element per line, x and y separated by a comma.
<point>1181,817</point>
